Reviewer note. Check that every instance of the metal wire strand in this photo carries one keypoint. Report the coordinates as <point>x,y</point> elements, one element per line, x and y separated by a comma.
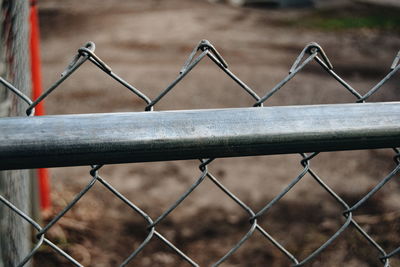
<point>207,49</point>
<point>86,53</point>
<point>41,238</point>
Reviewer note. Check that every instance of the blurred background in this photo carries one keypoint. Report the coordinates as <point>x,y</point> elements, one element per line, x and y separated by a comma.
<point>146,43</point>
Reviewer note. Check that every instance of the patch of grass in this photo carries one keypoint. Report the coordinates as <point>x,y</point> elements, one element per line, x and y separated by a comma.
<point>334,20</point>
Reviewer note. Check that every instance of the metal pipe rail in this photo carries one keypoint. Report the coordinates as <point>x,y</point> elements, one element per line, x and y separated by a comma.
<point>71,140</point>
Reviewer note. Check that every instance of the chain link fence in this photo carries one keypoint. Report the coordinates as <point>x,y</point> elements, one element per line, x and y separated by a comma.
<point>312,52</point>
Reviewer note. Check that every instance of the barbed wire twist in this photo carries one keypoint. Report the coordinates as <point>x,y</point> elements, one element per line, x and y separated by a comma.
<point>311,52</point>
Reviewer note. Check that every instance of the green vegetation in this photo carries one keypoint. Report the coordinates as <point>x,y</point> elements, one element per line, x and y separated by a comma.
<point>370,18</point>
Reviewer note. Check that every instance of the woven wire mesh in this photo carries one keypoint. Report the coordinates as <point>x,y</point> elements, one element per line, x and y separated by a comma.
<point>312,52</point>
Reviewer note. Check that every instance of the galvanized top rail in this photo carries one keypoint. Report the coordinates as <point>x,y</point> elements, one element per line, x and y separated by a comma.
<point>69,140</point>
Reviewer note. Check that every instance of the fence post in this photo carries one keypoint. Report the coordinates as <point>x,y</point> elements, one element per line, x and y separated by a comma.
<point>14,185</point>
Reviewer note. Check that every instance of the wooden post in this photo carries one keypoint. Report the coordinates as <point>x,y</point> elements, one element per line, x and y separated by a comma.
<point>14,185</point>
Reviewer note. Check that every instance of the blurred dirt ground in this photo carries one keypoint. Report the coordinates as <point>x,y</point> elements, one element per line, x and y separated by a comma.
<point>146,43</point>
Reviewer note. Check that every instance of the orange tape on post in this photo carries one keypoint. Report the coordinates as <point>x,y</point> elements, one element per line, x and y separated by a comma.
<point>43,174</point>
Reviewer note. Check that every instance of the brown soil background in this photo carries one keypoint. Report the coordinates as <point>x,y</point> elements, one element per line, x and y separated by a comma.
<point>146,43</point>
